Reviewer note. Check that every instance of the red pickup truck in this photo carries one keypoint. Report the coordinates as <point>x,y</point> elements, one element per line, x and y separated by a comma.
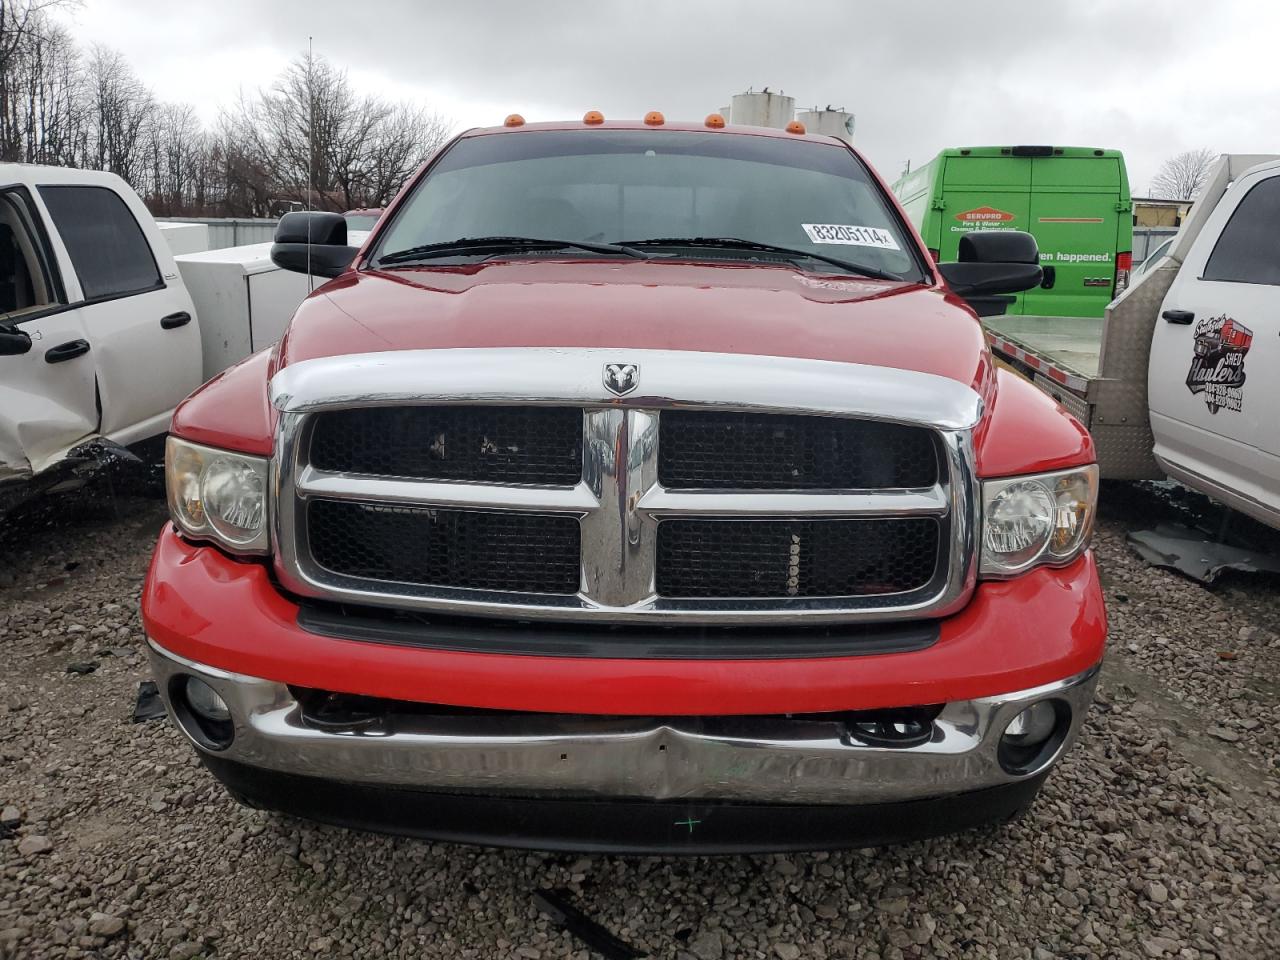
<point>638,487</point>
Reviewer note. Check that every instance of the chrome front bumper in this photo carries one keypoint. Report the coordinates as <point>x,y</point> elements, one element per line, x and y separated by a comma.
<point>741,759</point>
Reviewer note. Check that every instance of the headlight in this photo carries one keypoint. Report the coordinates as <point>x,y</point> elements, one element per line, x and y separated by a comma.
<point>218,495</point>
<point>1046,518</point>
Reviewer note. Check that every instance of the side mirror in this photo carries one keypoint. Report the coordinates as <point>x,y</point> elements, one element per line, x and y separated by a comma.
<point>327,253</point>
<point>993,263</point>
<point>14,342</point>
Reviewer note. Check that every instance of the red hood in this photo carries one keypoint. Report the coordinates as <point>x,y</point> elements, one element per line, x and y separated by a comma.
<point>770,311</point>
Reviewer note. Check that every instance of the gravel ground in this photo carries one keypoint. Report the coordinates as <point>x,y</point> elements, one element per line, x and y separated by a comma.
<point>1159,836</point>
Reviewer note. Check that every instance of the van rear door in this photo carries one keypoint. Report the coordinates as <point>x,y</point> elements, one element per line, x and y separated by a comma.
<point>1074,214</point>
<point>983,193</point>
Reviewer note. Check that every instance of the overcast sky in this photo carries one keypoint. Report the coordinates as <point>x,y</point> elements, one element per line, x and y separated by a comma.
<point>1150,79</point>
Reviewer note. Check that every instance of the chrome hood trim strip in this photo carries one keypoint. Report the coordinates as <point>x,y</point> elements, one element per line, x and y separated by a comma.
<point>667,378</point>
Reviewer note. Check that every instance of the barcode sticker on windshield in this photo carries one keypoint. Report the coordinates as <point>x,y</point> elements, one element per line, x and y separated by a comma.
<point>850,235</point>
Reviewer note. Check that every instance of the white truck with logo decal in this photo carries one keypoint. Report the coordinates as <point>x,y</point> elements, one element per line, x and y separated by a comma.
<point>1182,376</point>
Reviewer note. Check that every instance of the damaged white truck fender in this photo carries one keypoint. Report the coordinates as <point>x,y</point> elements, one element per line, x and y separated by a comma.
<point>101,334</point>
<point>98,335</point>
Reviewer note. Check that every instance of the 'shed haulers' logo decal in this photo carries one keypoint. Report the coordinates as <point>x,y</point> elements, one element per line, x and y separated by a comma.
<point>1217,363</point>
<point>984,215</point>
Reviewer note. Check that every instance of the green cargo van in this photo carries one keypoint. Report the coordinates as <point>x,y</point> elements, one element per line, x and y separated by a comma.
<point>1073,200</point>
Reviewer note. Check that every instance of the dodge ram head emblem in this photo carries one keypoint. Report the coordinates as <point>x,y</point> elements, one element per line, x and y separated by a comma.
<point>621,378</point>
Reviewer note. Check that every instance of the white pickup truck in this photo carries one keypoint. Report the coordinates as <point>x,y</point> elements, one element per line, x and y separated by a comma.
<point>102,331</point>
<point>1182,376</point>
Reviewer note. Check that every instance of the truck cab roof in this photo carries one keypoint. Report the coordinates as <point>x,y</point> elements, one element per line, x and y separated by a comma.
<point>686,126</point>
<point>33,174</point>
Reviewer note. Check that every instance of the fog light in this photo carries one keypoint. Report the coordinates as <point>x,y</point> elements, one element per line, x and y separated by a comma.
<point>201,712</point>
<point>1032,726</point>
<point>1033,737</point>
<point>204,700</point>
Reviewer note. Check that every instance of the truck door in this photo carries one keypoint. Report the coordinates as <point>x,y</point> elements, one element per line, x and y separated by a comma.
<point>1074,219</point>
<point>47,400</point>
<point>137,313</point>
<point>1214,375</point>
<point>984,193</point>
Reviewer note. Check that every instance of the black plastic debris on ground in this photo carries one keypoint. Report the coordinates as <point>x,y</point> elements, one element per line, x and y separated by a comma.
<point>87,666</point>
<point>555,904</point>
<point>149,705</point>
<point>97,483</point>
<point>1189,551</point>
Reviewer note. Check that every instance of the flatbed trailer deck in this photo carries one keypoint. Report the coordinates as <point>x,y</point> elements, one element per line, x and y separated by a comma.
<point>1096,368</point>
<point>1070,345</point>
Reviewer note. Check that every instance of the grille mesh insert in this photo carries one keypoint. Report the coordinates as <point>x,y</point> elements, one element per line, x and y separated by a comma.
<point>748,451</point>
<point>795,558</point>
<point>530,445</point>
<point>446,548</point>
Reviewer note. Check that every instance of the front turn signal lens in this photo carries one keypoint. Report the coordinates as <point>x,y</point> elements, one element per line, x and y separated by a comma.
<point>182,466</point>
<point>1075,496</point>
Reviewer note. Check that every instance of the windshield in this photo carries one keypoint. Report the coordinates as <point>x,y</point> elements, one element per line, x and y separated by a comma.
<point>630,186</point>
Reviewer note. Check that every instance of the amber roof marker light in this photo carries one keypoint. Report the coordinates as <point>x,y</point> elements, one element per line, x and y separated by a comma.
<point>593,117</point>
<point>514,120</point>
<point>795,126</point>
<point>715,121</point>
<point>654,119</point>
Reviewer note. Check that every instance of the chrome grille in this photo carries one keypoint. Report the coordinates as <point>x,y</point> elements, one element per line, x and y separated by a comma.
<point>535,445</point>
<point>674,547</point>
<point>521,552</point>
<point>752,451</point>
<point>796,558</point>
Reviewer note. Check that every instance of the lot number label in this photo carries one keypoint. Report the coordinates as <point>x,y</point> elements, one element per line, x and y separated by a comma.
<point>851,235</point>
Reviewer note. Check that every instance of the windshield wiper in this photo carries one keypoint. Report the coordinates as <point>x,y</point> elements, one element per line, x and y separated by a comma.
<point>465,245</point>
<point>736,243</point>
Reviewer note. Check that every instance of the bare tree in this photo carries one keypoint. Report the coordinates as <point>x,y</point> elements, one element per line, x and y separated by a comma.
<point>309,138</point>
<point>312,139</point>
<point>1182,176</point>
<point>121,109</point>
<point>36,80</point>
<point>241,184</point>
<point>177,150</point>
<point>388,161</point>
